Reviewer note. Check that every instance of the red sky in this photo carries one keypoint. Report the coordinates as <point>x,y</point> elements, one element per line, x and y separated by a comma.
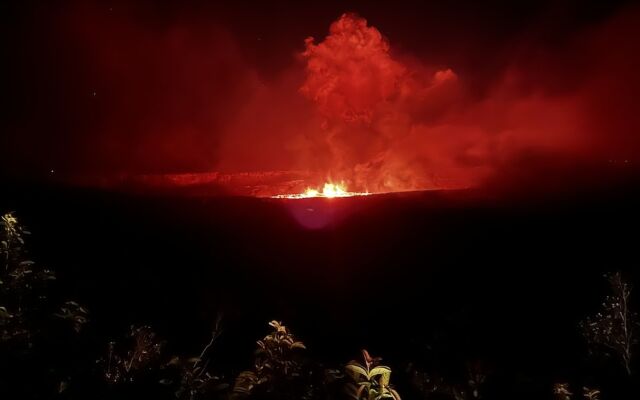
<point>386,97</point>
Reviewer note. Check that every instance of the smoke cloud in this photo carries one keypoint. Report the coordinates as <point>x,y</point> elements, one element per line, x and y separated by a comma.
<point>390,124</point>
<point>114,90</point>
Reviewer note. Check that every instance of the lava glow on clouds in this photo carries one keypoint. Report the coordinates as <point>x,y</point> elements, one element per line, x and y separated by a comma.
<point>366,99</point>
<point>135,90</point>
<point>383,122</point>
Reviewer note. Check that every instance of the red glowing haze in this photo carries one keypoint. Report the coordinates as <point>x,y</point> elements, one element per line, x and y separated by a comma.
<point>125,94</point>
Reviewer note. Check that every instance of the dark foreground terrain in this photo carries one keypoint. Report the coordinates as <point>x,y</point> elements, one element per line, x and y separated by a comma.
<point>430,280</point>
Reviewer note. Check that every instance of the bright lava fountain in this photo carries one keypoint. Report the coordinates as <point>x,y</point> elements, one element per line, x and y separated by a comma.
<point>329,190</point>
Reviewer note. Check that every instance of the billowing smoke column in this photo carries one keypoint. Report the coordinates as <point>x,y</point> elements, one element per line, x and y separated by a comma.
<point>367,100</point>
<point>390,124</point>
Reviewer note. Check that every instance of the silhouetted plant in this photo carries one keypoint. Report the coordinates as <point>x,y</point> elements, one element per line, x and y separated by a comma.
<point>590,394</point>
<point>612,328</point>
<point>11,243</point>
<point>561,391</point>
<point>246,382</point>
<point>194,378</point>
<point>21,283</point>
<point>25,314</point>
<point>429,384</point>
<point>371,380</point>
<point>139,355</point>
<point>476,376</point>
<point>74,313</point>
<point>275,352</point>
<point>22,289</point>
<point>276,365</point>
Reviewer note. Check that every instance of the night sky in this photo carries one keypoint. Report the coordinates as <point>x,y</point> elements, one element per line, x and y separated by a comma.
<point>93,87</point>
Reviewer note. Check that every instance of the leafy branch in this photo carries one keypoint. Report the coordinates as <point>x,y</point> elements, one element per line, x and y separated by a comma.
<point>612,328</point>
<point>371,381</point>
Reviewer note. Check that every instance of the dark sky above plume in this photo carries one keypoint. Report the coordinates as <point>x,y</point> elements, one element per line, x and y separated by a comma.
<point>452,90</point>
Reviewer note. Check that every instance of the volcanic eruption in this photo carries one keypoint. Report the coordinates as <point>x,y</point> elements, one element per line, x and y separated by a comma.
<point>196,105</point>
<point>363,101</point>
<point>363,96</point>
<point>329,190</point>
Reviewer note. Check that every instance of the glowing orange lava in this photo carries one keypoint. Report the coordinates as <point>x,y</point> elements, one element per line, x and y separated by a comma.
<point>329,190</point>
